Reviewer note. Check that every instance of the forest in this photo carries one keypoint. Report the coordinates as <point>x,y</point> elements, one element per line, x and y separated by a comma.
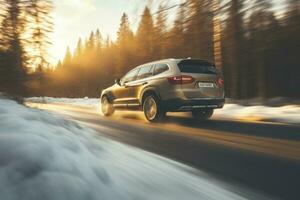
<point>259,50</point>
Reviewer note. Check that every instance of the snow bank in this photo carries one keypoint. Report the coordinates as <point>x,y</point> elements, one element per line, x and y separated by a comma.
<point>90,102</point>
<point>283,114</point>
<point>43,156</point>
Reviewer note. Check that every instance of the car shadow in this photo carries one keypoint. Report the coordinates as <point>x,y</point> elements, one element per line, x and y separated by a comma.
<point>262,129</point>
<point>280,131</point>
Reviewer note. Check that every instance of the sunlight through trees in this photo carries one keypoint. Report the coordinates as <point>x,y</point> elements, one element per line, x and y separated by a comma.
<point>258,48</point>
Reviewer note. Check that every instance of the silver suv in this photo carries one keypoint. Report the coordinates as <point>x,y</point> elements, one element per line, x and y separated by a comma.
<point>171,85</point>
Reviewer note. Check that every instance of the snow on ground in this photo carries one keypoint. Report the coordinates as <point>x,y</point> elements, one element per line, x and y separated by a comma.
<point>90,102</point>
<point>43,156</point>
<point>283,114</point>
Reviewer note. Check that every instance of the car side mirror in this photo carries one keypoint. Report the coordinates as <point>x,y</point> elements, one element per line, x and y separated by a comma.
<point>118,81</point>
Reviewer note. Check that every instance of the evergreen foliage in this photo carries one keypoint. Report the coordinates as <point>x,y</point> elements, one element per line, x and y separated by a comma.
<point>260,49</point>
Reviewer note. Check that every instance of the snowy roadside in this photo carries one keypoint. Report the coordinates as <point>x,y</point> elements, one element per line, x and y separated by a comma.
<point>44,156</point>
<point>289,114</point>
<point>90,102</point>
<point>284,114</point>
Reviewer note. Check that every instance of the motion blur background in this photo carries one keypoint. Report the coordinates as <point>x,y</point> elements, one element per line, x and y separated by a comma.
<point>255,44</point>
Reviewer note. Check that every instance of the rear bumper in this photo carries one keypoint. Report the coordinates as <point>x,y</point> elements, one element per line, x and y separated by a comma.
<point>188,105</point>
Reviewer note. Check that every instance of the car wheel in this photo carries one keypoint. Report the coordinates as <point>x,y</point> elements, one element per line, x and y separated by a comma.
<point>106,107</point>
<point>152,109</point>
<point>202,114</point>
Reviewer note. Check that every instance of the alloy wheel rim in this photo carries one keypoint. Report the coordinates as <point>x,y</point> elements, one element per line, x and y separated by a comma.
<point>150,108</point>
<point>105,106</point>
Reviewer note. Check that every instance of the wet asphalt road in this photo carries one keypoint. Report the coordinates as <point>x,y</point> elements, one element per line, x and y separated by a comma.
<point>264,157</point>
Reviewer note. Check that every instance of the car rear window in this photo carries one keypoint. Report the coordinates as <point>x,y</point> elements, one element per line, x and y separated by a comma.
<point>197,66</point>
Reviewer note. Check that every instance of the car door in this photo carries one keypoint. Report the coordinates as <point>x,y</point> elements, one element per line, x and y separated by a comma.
<point>122,91</point>
<point>141,81</point>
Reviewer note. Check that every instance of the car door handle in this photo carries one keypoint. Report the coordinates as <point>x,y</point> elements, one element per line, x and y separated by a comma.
<point>137,84</point>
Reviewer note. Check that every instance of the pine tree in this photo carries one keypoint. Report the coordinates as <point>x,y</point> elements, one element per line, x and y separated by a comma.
<point>40,26</point>
<point>78,52</point>
<point>124,47</point>
<point>91,42</point>
<point>233,42</point>
<point>124,34</point>
<point>13,64</point>
<point>290,48</point>
<point>261,23</point>
<point>200,29</point>
<point>90,51</point>
<point>177,35</point>
<point>68,58</point>
<point>145,37</point>
<point>98,41</point>
<point>160,34</point>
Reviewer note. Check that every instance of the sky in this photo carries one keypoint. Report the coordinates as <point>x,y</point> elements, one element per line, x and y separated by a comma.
<point>77,18</point>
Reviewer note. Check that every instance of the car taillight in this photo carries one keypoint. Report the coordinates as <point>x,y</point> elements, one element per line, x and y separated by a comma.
<point>220,82</point>
<point>184,79</point>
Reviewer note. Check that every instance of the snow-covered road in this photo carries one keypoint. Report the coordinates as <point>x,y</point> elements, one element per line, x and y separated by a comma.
<point>43,156</point>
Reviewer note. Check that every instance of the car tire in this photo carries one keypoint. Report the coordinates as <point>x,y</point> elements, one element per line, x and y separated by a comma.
<point>152,108</point>
<point>202,114</point>
<point>106,107</point>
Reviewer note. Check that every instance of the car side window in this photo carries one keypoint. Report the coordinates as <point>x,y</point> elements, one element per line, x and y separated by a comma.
<point>145,72</point>
<point>130,76</point>
<point>160,68</point>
